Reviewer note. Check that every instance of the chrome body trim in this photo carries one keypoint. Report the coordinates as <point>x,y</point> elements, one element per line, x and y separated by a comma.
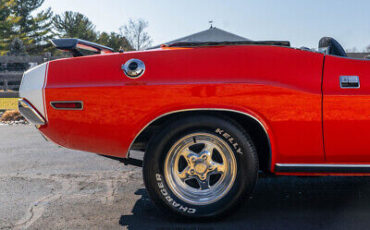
<point>203,109</point>
<point>82,105</point>
<point>323,165</point>
<point>323,168</point>
<point>349,82</point>
<point>30,113</point>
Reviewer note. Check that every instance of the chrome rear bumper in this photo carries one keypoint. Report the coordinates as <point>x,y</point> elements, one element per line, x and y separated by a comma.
<point>30,113</point>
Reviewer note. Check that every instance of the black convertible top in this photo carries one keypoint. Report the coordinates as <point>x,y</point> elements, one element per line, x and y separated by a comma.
<point>227,43</point>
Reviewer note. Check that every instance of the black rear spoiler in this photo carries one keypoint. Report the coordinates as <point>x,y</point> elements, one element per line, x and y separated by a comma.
<point>75,45</point>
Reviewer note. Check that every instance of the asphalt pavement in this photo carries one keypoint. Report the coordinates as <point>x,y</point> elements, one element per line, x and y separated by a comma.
<point>43,186</point>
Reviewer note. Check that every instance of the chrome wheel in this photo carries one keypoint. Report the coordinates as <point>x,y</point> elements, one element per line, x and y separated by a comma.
<point>200,168</point>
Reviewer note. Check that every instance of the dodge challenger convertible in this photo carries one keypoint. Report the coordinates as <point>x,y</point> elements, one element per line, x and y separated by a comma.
<point>209,116</point>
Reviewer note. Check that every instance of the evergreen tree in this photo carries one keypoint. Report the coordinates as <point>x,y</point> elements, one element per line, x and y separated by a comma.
<point>34,31</point>
<point>17,48</point>
<point>8,20</point>
<point>74,25</point>
<point>16,20</point>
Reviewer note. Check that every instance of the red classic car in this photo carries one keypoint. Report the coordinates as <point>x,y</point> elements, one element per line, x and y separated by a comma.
<point>209,116</point>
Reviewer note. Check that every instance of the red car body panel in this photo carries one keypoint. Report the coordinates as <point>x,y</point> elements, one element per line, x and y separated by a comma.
<point>281,87</point>
<point>346,112</point>
<point>294,94</point>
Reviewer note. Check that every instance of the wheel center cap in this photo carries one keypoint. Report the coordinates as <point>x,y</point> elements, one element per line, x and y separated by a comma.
<point>200,168</point>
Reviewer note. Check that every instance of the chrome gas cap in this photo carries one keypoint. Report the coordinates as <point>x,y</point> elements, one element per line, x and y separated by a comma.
<point>133,68</point>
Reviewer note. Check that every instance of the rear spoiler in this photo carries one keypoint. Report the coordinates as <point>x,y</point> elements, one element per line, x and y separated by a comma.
<point>75,45</point>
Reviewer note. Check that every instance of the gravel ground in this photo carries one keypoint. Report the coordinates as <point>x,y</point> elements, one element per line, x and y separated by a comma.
<point>20,122</point>
<point>46,187</point>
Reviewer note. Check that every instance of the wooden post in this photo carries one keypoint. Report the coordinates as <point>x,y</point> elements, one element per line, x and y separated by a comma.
<point>5,85</point>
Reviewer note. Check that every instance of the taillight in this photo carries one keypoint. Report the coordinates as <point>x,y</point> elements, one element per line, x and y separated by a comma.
<point>67,105</point>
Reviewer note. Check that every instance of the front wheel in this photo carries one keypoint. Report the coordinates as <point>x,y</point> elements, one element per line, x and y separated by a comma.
<point>200,166</point>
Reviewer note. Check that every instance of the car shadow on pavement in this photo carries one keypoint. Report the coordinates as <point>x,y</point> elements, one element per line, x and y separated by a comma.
<point>277,203</point>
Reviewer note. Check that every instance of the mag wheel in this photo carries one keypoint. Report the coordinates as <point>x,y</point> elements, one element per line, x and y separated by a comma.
<point>200,166</point>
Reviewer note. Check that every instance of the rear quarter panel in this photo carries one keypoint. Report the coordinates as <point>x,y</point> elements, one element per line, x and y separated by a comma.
<point>279,86</point>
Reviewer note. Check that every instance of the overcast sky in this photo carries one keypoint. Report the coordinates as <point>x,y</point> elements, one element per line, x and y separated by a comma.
<point>303,22</point>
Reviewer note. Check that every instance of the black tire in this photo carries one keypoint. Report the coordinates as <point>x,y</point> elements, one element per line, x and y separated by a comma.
<point>227,130</point>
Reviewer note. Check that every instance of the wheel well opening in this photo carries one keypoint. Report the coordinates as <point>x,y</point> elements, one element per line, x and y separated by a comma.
<point>250,125</point>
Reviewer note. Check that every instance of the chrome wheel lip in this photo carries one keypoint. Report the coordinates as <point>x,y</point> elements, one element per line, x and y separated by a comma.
<point>205,194</point>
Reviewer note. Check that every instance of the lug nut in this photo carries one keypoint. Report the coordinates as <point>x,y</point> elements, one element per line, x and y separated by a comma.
<point>211,167</point>
<point>191,171</point>
<point>193,159</point>
<point>204,157</point>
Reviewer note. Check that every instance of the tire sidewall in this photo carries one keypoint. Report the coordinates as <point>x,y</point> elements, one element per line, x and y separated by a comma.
<point>159,146</point>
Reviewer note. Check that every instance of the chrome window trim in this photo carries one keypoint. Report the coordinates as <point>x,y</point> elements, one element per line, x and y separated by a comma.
<point>82,105</point>
<point>203,109</point>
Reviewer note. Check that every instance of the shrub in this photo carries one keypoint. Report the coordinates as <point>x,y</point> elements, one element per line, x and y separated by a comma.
<point>11,115</point>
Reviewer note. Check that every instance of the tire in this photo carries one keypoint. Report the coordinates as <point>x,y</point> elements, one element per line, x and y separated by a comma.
<point>199,167</point>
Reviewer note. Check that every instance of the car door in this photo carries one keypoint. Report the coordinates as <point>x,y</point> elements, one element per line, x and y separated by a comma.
<point>346,110</point>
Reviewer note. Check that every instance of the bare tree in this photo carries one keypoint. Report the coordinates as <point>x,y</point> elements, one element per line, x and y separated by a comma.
<point>368,48</point>
<point>353,50</point>
<point>134,32</point>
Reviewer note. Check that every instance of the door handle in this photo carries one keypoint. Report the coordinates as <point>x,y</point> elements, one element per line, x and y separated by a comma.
<point>349,82</point>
